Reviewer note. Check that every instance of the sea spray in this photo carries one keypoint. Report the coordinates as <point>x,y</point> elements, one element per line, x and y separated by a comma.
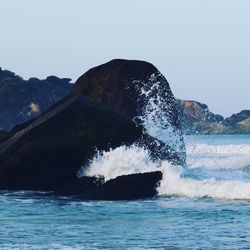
<point>156,114</point>
<point>160,119</point>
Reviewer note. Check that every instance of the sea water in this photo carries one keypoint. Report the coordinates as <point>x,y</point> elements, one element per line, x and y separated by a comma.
<point>204,205</point>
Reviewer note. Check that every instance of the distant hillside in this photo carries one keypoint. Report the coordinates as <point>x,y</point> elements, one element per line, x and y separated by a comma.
<point>21,100</point>
<point>198,119</point>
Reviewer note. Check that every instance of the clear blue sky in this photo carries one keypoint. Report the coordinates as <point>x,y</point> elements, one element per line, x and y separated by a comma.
<point>202,47</point>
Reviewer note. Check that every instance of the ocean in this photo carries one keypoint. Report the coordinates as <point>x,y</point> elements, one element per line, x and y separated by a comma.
<point>204,205</point>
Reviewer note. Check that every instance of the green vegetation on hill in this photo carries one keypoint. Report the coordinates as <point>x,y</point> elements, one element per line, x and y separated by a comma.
<point>22,100</point>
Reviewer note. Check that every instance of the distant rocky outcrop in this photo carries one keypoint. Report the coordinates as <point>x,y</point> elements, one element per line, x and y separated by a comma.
<point>194,111</point>
<point>237,118</point>
<point>22,100</point>
<point>105,111</point>
<point>239,123</point>
<point>198,119</point>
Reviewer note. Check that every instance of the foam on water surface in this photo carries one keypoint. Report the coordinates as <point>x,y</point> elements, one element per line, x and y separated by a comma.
<point>221,171</point>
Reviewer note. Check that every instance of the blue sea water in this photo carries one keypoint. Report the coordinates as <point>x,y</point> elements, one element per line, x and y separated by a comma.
<point>205,205</point>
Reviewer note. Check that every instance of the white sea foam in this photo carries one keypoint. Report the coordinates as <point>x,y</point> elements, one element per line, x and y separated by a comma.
<point>129,160</point>
<point>121,161</point>
<point>174,184</point>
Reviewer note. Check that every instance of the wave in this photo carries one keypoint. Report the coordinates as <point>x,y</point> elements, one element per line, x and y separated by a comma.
<point>218,149</point>
<point>225,157</point>
<point>121,161</point>
<point>173,184</point>
<point>129,160</point>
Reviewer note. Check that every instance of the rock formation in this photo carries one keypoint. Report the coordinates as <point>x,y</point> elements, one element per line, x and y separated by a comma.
<point>198,119</point>
<point>121,85</point>
<point>106,110</point>
<point>126,187</point>
<point>137,89</point>
<point>236,118</point>
<point>4,135</point>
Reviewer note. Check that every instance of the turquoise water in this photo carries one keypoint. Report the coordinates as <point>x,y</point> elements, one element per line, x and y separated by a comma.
<point>212,211</point>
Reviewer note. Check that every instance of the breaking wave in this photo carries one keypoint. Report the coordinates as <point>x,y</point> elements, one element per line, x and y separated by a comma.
<point>173,184</point>
<point>121,161</point>
<point>208,180</point>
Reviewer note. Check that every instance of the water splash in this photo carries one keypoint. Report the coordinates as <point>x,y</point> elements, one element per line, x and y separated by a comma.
<point>129,160</point>
<point>158,115</point>
<point>120,161</point>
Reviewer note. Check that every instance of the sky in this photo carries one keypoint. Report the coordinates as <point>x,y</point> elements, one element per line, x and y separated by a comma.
<point>202,47</point>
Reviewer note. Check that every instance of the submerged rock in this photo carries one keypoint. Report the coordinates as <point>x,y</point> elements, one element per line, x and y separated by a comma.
<point>82,187</point>
<point>126,187</point>
<point>129,187</point>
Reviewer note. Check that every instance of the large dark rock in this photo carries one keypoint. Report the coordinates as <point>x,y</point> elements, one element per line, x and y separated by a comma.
<point>138,90</point>
<point>4,135</point>
<point>51,150</point>
<point>82,187</point>
<point>106,110</point>
<point>119,85</point>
